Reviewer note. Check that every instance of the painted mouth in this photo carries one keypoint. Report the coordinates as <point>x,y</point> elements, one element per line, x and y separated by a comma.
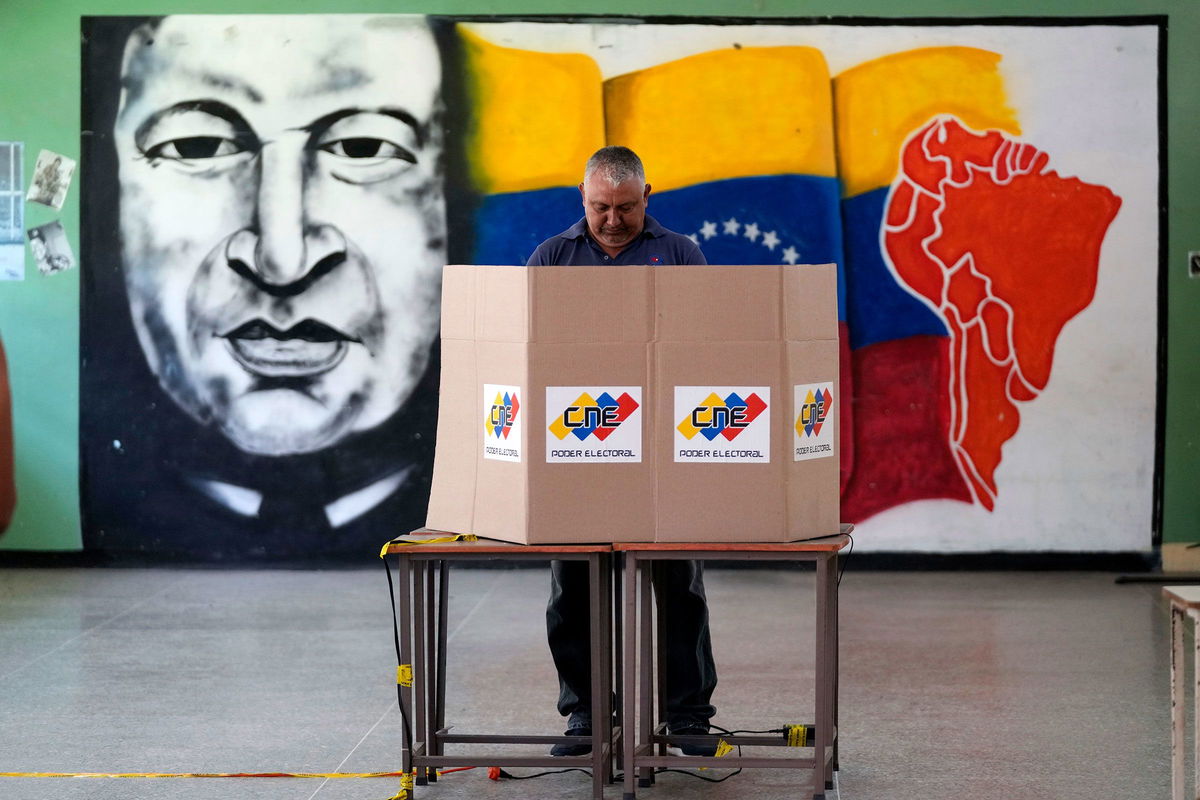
<point>306,349</point>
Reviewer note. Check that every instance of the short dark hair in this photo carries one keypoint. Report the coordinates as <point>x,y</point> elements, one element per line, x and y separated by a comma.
<point>617,164</point>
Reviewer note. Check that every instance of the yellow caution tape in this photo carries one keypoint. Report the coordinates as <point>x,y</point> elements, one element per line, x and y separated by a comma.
<point>407,781</point>
<point>401,541</point>
<point>404,675</point>
<point>797,735</point>
<point>724,748</point>
<point>200,774</point>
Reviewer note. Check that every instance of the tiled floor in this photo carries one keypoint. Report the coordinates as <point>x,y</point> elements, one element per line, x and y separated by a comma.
<point>1004,686</point>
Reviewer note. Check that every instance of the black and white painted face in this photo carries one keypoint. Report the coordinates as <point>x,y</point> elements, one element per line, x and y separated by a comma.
<point>282,218</point>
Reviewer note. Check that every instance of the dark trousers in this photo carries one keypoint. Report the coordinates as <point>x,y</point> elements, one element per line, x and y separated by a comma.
<point>685,650</point>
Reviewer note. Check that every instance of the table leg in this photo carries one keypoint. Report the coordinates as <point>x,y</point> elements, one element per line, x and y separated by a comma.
<point>601,715</point>
<point>430,662</point>
<point>615,568</point>
<point>404,599</point>
<point>823,682</point>
<point>630,673</point>
<point>606,659</point>
<point>439,685</point>
<point>420,729</point>
<point>629,689</point>
<point>1195,617</point>
<point>836,666</point>
<point>1177,715</point>
<point>646,701</point>
<point>662,619</point>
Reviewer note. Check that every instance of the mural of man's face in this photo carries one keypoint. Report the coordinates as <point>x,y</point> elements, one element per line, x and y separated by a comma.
<point>282,219</point>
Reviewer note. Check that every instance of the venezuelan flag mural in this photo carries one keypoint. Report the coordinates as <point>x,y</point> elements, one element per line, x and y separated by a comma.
<point>989,193</point>
<point>964,249</point>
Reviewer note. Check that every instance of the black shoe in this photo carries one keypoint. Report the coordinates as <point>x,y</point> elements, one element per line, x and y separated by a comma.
<point>705,749</point>
<point>571,749</point>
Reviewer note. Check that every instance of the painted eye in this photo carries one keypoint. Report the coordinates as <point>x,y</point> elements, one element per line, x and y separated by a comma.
<point>363,147</point>
<point>189,148</point>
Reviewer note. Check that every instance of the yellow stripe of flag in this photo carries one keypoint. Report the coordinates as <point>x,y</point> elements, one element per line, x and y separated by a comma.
<point>535,117</point>
<point>880,103</point>
<point>726,114</point>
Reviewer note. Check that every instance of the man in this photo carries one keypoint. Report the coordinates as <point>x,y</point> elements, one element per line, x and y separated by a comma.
<point>282,232</point>
<point>615,229</point>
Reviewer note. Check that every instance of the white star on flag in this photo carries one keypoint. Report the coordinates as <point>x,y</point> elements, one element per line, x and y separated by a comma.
<point>708,230</point>
<point>694,238</point>
<point>732,225</point>
<point>770,240</point>
<point>751,231</point>
<point>790,255</point>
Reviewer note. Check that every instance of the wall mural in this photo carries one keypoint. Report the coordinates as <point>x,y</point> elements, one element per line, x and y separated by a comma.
<point>268,200</point>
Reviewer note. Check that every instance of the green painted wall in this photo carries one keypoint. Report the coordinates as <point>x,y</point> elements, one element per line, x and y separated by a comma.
<point>39,87</point>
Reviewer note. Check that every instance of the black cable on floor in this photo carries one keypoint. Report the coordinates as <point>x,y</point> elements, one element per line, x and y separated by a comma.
<point>506,774</point>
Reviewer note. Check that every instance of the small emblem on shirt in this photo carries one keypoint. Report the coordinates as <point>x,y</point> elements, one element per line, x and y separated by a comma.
<point>656,259</point>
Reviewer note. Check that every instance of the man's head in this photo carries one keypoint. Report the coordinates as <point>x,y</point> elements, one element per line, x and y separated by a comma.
<point>614,193</point>
<point>282,218</point>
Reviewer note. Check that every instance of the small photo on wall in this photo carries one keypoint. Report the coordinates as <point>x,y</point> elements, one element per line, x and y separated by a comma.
<point>51,249</point>
<point>51,179</point>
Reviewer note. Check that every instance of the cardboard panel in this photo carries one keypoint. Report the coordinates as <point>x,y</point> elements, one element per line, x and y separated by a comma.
<point>727,501</point>
<point>592,304</point>
<point>537,412</point>
<point>501,304</point>
<point>501,494</point>
<point>807,312</point>
<point>718,304</point>
<point>458,314</point>
<point>813,507</point>
<point>459,439</point>
<point>591,502</point>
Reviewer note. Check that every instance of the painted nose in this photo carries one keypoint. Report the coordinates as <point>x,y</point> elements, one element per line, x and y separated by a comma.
<point>282,247</point>
<point>280,255</point>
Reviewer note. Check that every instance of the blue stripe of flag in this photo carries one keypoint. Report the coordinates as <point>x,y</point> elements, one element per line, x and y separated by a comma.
<point>878,308</point>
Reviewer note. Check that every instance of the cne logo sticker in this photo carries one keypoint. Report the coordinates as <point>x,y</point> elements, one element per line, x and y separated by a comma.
<point>593,424</point>
<point>814,421</point>
<point>502,422</point>
<point>722,424</point>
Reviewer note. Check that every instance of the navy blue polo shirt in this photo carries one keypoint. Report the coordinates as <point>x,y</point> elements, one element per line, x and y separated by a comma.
<point>575,247</point>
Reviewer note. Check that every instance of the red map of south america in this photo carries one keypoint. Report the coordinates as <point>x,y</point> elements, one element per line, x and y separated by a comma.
<point>1006,251</point>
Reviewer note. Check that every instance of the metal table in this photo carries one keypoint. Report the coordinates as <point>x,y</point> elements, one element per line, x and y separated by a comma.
<point>645,745</point>
<point>422,607</point>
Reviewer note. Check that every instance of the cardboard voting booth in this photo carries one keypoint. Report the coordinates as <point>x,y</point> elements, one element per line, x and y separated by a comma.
<point>669,403</point>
